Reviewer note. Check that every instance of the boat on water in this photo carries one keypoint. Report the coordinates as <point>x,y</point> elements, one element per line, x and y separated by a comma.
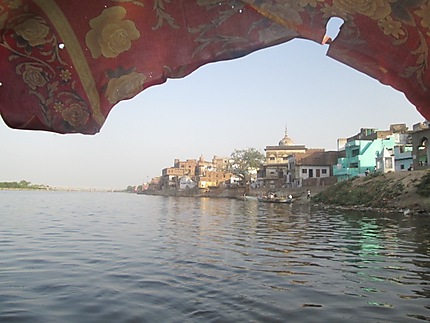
<point>268,199</point>
<point>250,198</point>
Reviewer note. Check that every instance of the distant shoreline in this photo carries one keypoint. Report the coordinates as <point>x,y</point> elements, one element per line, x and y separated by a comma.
<point>57,189</point>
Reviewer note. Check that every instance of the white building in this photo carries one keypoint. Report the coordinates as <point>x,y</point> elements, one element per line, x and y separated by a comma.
<point>185,182</point>
<point>385,161</point>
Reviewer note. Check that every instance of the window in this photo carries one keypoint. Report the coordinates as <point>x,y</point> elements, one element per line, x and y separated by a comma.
<point>323,171</point>
<point>388,163</point>
<point>271,158</point>
<point>402,166</point>
<point>304,171</point>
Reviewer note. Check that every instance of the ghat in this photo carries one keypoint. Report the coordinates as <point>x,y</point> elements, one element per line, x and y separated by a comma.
<point>65,64</point>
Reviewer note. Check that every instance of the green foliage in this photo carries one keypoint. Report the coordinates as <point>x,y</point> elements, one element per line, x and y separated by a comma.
<point>373,175</point>
<point>130,189</point>
<point>244,161</point>
<point>367,193</point>
<point>344,193</point>
<point>21,185</point>
<point>423,188</point>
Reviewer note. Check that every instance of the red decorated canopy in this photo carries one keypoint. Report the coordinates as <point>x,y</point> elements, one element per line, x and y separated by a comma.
<point>64,64</point>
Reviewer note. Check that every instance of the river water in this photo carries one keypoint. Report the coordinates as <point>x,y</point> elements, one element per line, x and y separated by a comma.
<point>114,257</point>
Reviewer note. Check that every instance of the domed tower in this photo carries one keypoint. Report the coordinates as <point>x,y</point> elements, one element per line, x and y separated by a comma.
<point>278,170</point>
<point>286,141</point>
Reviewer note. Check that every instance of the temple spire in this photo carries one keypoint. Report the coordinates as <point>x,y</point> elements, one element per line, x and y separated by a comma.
<point>286,141</point>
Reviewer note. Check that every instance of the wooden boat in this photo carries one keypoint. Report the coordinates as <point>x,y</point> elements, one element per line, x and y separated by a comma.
<point>267,199</point>
<point>250,198</point>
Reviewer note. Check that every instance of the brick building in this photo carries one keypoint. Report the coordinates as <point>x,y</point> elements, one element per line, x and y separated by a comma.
<point>205,173</point>
<point>291,165</point>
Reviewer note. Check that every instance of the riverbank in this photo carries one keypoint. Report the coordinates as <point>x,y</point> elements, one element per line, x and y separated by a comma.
<point>216,192</point>
<point>407,192</point>
<point>391,192</point>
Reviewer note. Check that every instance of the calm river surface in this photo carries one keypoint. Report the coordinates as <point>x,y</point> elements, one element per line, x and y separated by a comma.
<point>114,257</point>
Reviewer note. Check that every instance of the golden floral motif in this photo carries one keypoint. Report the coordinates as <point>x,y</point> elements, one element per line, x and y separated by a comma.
<point>288,11</point>
<point>34,51</point>
<point>33,31</point>
<point>65,75</point>
<point>163,16</point>
<point>124,87</point>
<point>424,13</point>
<point>312,3</point>
<point>110,34</point>
<point>52,87</point>
<point>58,106</point>
<point>75,113</point>
<point>375,9</point>
<point>391,27</point>
<point>33,76</point>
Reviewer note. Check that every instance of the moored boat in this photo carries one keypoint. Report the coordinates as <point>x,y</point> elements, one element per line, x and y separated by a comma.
<point>268,199</point>
<point>250,198</point>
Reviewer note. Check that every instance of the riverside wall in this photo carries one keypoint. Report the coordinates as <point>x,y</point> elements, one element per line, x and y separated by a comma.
<point>236,192</point>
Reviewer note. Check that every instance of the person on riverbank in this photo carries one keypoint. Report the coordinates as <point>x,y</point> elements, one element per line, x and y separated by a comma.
<point>308,194</point>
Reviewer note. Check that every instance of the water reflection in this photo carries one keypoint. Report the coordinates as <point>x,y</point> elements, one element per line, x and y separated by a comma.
<point>360,253</point>
<point>140,258</point>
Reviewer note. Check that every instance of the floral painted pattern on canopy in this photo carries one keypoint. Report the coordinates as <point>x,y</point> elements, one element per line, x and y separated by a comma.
<point>63,68</point>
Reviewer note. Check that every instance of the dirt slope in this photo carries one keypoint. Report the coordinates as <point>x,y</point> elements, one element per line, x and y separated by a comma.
<point>392,191</point>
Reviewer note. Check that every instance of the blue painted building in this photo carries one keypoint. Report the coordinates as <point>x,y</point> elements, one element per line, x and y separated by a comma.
<point>360,156</point>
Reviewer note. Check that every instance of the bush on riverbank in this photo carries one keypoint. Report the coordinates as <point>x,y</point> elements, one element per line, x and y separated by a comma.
<point>372,191</point>
<point>23,185</point>
<point>392,190</point>
<point>423,188</point>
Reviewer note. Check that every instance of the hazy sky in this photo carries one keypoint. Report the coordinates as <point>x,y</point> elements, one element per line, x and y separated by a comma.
<point>222,106</point>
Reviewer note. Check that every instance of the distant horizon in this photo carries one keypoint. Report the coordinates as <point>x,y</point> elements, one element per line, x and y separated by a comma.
<point>47,187</point>
<point>110,188</point>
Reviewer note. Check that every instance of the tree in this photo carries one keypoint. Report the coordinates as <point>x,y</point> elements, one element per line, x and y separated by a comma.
<point>24,184</point>
<point>130,189</point>
<point>245,162</point>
